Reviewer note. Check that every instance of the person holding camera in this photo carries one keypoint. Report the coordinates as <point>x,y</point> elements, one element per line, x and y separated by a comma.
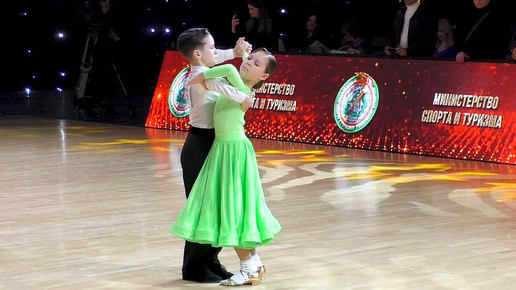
<point>259,31</point>
<point>414,31</point>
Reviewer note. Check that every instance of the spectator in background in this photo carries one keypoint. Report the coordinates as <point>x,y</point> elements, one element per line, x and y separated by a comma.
<point>445,47</point>
<point>313,39</point>
<point>259,30</point>
<point>483,33</point>
<point>414,31</point>
<point>513,55</point>
<point>353,38</point>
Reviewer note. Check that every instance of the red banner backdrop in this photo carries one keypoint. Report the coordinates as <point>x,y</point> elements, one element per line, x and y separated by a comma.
<point>426,107</point>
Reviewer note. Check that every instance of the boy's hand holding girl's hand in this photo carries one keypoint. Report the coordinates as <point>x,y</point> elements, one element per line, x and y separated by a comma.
<point>248,102</point>
<point>242,47</point>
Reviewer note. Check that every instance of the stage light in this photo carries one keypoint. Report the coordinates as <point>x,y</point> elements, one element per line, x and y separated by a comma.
<point>29,51</point>
<point>59,89</point>
<point>62,74</point>
<point>283,11</point>
<point>60,35</point>
<point>27,90</point>
<point>167,30</point>
<point>152,30</point>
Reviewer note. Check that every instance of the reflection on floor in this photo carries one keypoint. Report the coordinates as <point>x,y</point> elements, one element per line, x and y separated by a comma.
<point>119,109</point>
<point>88,205</point>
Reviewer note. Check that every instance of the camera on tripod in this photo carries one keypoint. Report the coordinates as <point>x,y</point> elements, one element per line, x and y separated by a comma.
<point>90,14</point>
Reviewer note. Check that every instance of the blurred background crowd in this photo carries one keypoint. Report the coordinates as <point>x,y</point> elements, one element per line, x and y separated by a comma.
<point>43,42</point>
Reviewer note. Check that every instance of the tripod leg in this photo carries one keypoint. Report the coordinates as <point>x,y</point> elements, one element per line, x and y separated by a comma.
<point>85,69</point>
<point>120,80</point>
<point>80,105</point>
<point>81,87</point>
<point>132,112</point>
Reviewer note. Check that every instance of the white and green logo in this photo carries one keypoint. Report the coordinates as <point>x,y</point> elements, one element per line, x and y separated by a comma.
<point>356,103</point>
<point>176,98</point>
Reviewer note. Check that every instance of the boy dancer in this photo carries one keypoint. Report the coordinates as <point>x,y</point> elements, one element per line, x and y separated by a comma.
<point>200,261</point>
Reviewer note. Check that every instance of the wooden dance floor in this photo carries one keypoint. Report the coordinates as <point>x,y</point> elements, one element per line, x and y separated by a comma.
<point>88,205</point>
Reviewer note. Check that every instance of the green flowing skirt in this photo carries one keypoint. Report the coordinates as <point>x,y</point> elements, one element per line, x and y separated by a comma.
<point>226,207</point>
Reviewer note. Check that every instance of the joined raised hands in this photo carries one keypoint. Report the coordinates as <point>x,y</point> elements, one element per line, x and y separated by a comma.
<point>242,47</point>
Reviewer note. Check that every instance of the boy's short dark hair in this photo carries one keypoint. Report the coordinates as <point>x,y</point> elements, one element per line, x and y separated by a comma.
<point>190,40</point>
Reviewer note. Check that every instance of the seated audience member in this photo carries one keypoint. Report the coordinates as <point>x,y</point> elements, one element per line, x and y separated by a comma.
<point>483,33</point>
<point>259,30</point>
<point>353,38</point>
<point>414,31</point>
<point>445,48</point>
<point>313,38</point>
